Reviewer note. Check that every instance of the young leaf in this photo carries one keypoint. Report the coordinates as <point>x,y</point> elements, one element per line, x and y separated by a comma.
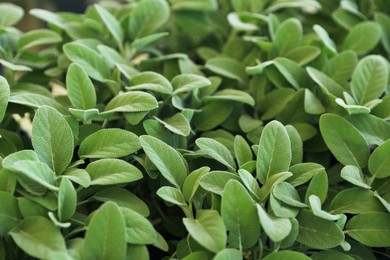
<point>177,124</point>
<point>227,67</point>
<point>217,151</point>
<point>341,66</point>
<point>363,37</point>
<point>38,37</point>
<point>239,213</point>
<point>36,101</point>
<point>191,183</point>
<point>105,236</point>
<point>188,82</point>
<point>354,175</point>
<point>48,16</point>
<point>288,35</point>
<point>274,155</point>
<point>276,228</point>
<point>345,142</point>
<point>371,229</point>
<point>4,96</point>
<point>112,171</point>
<point>166,159</point>
<point>296,145</point>
<point>81,91</point>
<point>286,193</point>
<point>215,181</point>
<point>369,80</point>
<point>147,17</point>
<point>228,254</point>
<point>324,36</point>
<point>111,23</point>
<point>10,14</point>
<point>91,61</point>
<point>379,163</point>
<point>242,150</point>
<point>134,101</point>
<point>318,186</point>
<point>67,200</point>
<point>207,229</point>
<point>172,195</point>
<point>315,205</point>
<point>139,230</point>
<point>109,143</point>
<point>38,237</point>
<point>325,82</point>
<point>9,212</point>
<point>318,233</point>
<point>232,94</point>
<point>149,39</point>
<point>151,81</point>
<point>303,54</point>
<point>48,125</point>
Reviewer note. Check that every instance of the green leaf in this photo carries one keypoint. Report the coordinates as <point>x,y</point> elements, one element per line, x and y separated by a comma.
<point>151,81</point>
<point>172,195</point>
<point>371,229</point>
<point>318,233</point>
<point>296,145</point>
<point>123,198</point>
<point>111,23</point>
<point>312,104</point>
<point>48,16</point>
<point>344,141</point>
<point>79,176</point>
<point>341,66</point>
<point>109,143</point>
<point>382,110</point>
<point>323,255</point>
<point>369,80</point>
<point>67,200</point>
<point>379,164</point>
<point>363,37</point>
<point>234,95</point>
<point>188,82</point>
<point>14,67</point>
<point>235,22</point>
<point>138,230</point>
<point>91,61</point>
<point>4,96</point>
<point>303,54</point>
<point>286,254</point>
<point>105,236</point>
<point>355,201</point>
<point>274,102</point>
<point>212,115</point>
<point>324,36</point>
<point>227,67</point>
<point>134,101</point>
<point>274,155</point>
<point>149,39</point>
<point>147,17</point>
<point>228,254</point>
<point>318,186</point>
<point>315,205</point>
<point>9,212</point>
<point>81,90</point>
<point>290,72</point>
<point>239,213</point>
<point>207,229</point>
<point>354,175</point>
<point>276,228</point>
<point>191,183</point>
<point>38,37</point>
<point>10,14</point>
<point>112,171</point>
<point>288,35</point>
<point>325,82</point>
<point>85,115</point>
<point>242,150</point>
<point>166,159</point>
<point>36,101</point>
<point>286,193</point>
<point>215,181</point>
<point>177,124</point>
<point>38,237</point>
<point>217,151</point>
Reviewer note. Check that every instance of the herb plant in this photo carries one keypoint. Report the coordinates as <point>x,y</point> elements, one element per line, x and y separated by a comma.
<point>196,129</point>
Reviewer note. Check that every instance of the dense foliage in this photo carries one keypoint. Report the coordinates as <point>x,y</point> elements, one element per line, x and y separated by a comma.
<point>197,129</point>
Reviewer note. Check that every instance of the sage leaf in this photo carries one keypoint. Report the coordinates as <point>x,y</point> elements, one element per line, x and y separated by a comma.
<point>11,14</point>
<point>10,214</point>
<point>134,101</point>
<point>80,88</point>
<point>276,228</point>
<point>138,229</point>
<point>67,200</point>
<point>363,37</point>
<point>286,254</point>
<point>111,23</point>
<point>4,96</point>
<point>379,164</point>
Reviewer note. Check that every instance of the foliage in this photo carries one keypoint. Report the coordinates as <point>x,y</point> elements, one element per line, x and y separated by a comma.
<point>188,129</point>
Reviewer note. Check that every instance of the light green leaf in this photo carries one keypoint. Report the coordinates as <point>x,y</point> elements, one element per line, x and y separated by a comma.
<point>363,37</point>
<point>234,95</point>
<point>215,181</point>
<point>188,82</point>
<point>47,126</point>
<point>10,14</point>
<point>149,39</point>
<point>109,143</point>
<point>228,254</point>
<point>341,66</point>
<point>9,212</point>
<point>371,229</point>
<point>344,141</point>
<point>38,37</point>
<point>274,155</point>
<point>139,230</point>
<point>134,101</point>
<point>315,205</point>
<point>286,193</point>
<point>111,23</point>
<point>172,195</point>
<point>81,91</point>
<point>147,17</point>
<point>276,228</point>
<point>4,96</point>
<point>318,186</point>
<point>79,176</point>
<point>288,35</point>
<point>14,67</point>
<point>235,22</point>
<point>370,78</point>
<point>379,163</point>
<point>354,175</point>
<point>85,115</point>
<point>239,213</point>
<point>290,72</point>
<point>67,200</point>
<point>177,124</point>
<point>48,16</point>
<point>123,198</point>
<point>38,237</point>
<point>217,151</point>
<point>112,171</point>
<point>35,101</point>
<point>303,54</point>
<point>207,229</point>
<point>286,254</point>
<point>105,236</point>
<point>250,183</point>
<point>151,81</point>
<point>324,36</point>
<point>166,159</point>
<point>242,150</point>
<point>296,145</point>
<point>318,233</point>
<point>312,104</point>
<point>191,183</point>
<point>325,82</point>
<point>227,67</point>
<point>91,61</point>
